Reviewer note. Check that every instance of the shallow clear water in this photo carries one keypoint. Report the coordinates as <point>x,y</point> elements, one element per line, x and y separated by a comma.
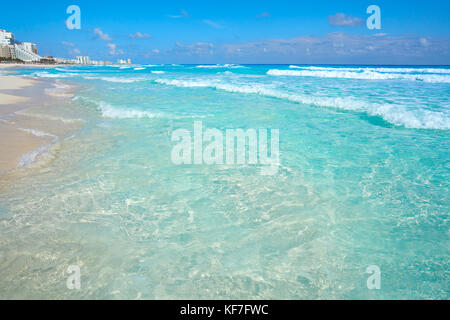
<point>363,180</point>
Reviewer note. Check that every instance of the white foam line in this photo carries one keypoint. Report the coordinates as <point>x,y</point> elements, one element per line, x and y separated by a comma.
<point>32,157</point>
<point>115,79</point>
<point>48,117</point>
<point>395,114</point>
<point>220,66</point>
<point>376,69</point>
<point>366,75</point>
<point>110,111</point>
<point>38,133</point>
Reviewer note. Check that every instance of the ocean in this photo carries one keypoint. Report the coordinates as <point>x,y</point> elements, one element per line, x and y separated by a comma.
<point>362,180</point>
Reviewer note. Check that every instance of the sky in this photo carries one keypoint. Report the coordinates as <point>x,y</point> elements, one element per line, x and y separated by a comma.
<point>245,32</point>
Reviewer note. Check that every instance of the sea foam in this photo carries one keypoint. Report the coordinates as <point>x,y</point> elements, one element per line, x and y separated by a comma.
<point>214,66</point>
<point>110,111</point>
<point>377,69</point>
<point>363,75</point>
<point>395,114</point>
<point>115,79</point>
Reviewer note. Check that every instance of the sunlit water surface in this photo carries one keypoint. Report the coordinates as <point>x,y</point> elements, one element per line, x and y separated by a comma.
<point>364,180</point>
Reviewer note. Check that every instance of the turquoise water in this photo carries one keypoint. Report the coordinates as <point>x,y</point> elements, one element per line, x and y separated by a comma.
<point>363,180</point>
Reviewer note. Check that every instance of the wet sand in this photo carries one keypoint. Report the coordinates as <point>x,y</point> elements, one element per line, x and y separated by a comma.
<point>30,119</point>
<point>14,142</point>
<point>21,66</point>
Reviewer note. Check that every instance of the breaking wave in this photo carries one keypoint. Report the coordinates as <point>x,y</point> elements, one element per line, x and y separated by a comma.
<point>53,75</point>
<point>115,79</point>
<point>32,157</point>
<point>377,69</point>
<point>395,114</point>
<point>110,111</point>
<point>364,74</point>
<point>214,66</point>
<point>37,133</point>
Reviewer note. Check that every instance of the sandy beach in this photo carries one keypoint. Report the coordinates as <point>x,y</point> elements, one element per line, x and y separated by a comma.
<point>13,83</point>
<point>14,142</point>
<point>21,66</point>
<point>22,134</point>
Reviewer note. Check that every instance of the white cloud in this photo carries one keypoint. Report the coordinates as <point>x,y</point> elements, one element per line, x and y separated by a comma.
<point>113,49</point>
<point>344,20</point>
<point>154,52</point>
<point>195,49</point>
<point>140,35</point>
<point>68,44</point>
<point>424,42</point>
<point>101,35</point>
<point>264,15</point>
<point>335,47</point>
<point>71,48</point>
<point>183,12</point>
<point>339,46</point>
<point>213,24</point>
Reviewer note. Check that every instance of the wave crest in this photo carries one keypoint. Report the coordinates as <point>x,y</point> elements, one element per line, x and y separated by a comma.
<point>364,75</point>
<point>377,69</point>
<point>215,66</point>
<point>115,79</point>
<point>110,111</point>
<point>395,114</point>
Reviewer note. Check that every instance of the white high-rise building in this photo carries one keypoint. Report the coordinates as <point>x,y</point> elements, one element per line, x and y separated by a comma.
<point>123,61</point>
<point>6,38</point>
<point>5,52</point>
<point>28,46</point>
<point>83,60</point>
<point>25,51</point>
<point>12,51</point>
<point>8,52</point>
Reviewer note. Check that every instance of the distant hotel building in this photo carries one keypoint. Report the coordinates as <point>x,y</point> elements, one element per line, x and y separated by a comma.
<point>7,52</point>
<point>28,46</point>
<point>7,45</point>
<point>122,61</point>
<point>11,49</point>
<point>83,60</point>
<point>6,38</point>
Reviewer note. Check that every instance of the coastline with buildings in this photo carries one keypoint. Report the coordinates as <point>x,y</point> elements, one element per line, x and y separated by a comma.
<point>22,94</point>
<point>16,52</point>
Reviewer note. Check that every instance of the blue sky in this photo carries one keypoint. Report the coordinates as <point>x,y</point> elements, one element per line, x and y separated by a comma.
<point>413,32</point>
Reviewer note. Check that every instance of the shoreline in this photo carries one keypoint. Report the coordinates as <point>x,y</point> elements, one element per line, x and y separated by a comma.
<point>27,126</point>
<point>39,66</point>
